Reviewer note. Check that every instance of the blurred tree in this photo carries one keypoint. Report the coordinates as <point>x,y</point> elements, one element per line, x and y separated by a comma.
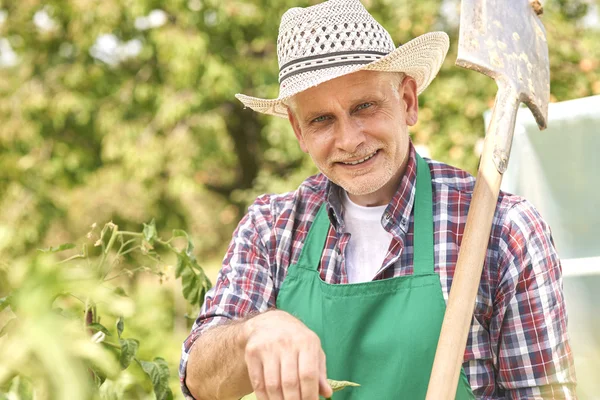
<point>125,110</point>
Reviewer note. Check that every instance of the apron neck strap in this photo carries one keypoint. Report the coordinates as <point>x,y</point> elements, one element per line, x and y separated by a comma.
<point>310,255</point>
<point>423,232</point>
<point>423,259</point>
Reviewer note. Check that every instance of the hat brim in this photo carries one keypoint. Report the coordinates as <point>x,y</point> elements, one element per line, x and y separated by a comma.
<point>420,58</point>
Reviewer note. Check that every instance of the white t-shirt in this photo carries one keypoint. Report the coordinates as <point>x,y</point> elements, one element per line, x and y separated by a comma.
<point>369,242</point>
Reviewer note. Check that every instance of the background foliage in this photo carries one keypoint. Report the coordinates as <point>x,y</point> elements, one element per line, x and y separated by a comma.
<point>123,111</point>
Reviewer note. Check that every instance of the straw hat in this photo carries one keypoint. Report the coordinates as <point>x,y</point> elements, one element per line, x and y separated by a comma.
<point>339,37</point>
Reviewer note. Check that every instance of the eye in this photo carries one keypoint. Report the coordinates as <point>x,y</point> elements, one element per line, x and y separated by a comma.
<point>364,106</point>
<point>321,118</point>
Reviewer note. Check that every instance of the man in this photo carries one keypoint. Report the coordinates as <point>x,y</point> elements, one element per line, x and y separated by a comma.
<point>346,277</point>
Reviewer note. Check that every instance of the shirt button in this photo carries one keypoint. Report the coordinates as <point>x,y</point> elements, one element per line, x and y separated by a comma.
<point>387,216</point>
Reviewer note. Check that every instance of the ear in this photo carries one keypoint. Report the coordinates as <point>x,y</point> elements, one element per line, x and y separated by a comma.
<point>297,131</point>
<point>411,100</point>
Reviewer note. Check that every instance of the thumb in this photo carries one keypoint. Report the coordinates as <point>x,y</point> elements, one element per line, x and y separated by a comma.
<point>325,389</point>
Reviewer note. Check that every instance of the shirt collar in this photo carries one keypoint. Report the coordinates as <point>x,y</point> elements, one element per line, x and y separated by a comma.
<point>398,211</point>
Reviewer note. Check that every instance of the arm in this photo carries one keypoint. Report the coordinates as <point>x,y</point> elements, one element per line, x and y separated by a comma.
<point>243,287</point>
<point>235,346</point>
<point>216,367</point>
<point>533,357</point>
<point>273,354</point>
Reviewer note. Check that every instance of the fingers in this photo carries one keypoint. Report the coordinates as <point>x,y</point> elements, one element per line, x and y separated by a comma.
<point>308,373</point>
<point>324,387</point>
<point>284,359</point>
<point>289,376</point>
<point>256,376</point>
<point>272,375</point>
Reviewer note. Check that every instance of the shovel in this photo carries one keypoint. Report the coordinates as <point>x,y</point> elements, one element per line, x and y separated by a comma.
<point>506,41</point>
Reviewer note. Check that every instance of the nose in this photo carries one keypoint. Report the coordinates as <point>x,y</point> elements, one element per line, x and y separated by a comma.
<point>349,135</point>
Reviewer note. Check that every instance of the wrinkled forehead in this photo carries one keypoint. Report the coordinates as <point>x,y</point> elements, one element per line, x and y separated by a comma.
<point>347,88</point>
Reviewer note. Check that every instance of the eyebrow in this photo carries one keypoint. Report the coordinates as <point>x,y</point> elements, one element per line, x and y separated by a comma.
<point>310,117</point>
<point>365,98</point>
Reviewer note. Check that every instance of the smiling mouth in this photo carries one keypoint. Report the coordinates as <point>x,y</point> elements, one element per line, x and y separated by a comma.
<point>362,160</point>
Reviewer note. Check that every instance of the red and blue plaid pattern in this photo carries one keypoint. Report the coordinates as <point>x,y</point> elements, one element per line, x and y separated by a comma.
<point>518,343</point>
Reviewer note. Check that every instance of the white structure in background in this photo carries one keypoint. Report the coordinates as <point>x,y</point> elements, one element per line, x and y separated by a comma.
<point>8,57</point>
<point>43,21</point>
<point>558,170</point>
<point>155,19</point>
<point>592,19</point>
<point>110,49</point>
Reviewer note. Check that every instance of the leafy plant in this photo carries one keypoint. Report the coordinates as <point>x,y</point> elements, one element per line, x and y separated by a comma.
<point>56,345</point>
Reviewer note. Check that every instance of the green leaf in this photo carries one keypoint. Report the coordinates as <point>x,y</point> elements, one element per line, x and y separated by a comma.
<point>185,258</point>
<point>190,250</point>
<point>7,327</point>
<point>99,378</point>
<point>120,326</point>
<point>129,348</point>
<point>62,247</point>
<point>20,388</point>
<point>194,285</point>
<point>4,302</point>
<point>158,371</point>
<point>181,264</point>
<point>111,390</point>
<point>150,232</point>
<point>190,285</point>
<point>339,385</point>
<point>179,233</point>
<point>99,327</point>
<point>205,287</point>
<point>120,291</point>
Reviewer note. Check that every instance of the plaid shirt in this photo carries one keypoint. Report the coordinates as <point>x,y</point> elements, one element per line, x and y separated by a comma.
<point>518,344</point>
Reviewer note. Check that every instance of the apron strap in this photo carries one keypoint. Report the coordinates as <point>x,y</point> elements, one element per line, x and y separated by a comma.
<point>423,259</point>
<point>311,252</point>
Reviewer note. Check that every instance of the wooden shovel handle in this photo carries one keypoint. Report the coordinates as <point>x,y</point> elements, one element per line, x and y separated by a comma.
<point>461,301</point>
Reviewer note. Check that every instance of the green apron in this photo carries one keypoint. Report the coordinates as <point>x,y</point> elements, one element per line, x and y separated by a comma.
<point>381,334</point>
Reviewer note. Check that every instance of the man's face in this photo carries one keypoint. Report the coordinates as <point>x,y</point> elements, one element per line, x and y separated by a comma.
<point>355,129</point>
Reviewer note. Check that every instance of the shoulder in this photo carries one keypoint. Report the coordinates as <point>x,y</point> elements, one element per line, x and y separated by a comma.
<point>451,177</point>
<point>519,233</point>
<point>526,236</point>
<point>455,182</point>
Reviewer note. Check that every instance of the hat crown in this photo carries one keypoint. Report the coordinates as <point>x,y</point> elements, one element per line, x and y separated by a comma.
<point>341,28</point>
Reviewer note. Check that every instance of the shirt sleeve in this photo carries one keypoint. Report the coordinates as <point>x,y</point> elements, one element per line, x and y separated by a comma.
<point>244,285</point>
<point>534,359</point>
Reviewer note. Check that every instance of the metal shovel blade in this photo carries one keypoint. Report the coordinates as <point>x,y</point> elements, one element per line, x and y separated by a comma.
<point>505,40</point>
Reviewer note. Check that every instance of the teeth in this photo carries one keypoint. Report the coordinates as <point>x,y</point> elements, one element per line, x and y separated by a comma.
<point>360,161</point>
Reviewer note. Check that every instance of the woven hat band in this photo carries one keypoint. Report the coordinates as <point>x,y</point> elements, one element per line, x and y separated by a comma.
<point>315,63</point>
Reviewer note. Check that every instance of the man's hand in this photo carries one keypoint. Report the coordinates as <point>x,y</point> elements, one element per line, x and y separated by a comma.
<point>284,358</point>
